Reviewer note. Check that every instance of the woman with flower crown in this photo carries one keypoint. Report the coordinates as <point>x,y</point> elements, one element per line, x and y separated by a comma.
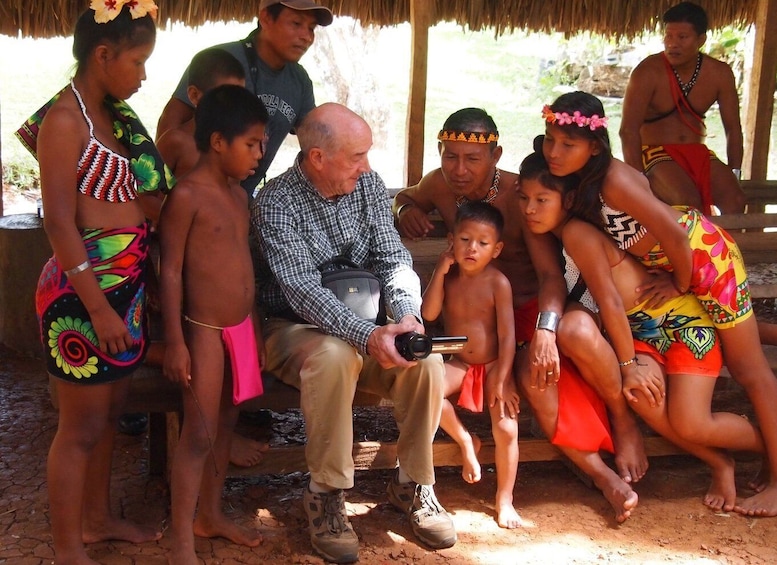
<point>96,164</point>
<point>698,256</point>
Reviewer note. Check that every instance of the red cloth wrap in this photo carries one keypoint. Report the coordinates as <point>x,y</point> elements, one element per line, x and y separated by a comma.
<point>582,416</point>
<point>471,394</point>
<point>694,158</point>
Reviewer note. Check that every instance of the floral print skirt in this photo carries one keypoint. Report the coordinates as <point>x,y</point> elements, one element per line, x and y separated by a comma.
<point>719,278</point>
<point>118,259</point>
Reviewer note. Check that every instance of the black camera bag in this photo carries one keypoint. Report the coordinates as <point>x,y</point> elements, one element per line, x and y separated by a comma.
<point>357,288</point>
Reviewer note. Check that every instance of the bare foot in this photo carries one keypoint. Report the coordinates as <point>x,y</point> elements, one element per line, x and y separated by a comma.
<point>116,529</point>
<point>507,516</point>
<point>221,527</point>
<point>630,458</point>
<point>620,495</point>
<point>722,494</point>
<point>246,452</point>
<point>470,468</point>
<point>761,480</point>
<point>762,504</point>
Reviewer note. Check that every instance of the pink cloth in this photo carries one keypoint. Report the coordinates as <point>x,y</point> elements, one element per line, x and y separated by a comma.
<point>240,341</point>
<point>471,394</point>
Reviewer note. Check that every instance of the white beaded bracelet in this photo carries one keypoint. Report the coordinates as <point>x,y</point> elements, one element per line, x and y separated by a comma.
<point>627,363</point>
<point>547,321</point>
<point>77,269</point>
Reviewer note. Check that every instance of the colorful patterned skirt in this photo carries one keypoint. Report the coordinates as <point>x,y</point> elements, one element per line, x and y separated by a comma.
<point>118,259</point>
<point>719,278</point>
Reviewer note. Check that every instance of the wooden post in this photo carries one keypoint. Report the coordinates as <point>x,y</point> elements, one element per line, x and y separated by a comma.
<point>24,249</point>
<point>760,98</point>
<point>420,20</point>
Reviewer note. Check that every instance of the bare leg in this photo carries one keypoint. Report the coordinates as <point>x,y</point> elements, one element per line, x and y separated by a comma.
<point>246,452</point>
<point>618,493</point>
<point>202,406</point>
<point>582,342</point>
<point>80,455</point>
<point>722,492</point>
<point>505,432</point>
<point>450,423</point>
<point>749,367</point>
<point>468,444</point>
<point>726,192</point>
<point>210,521</point>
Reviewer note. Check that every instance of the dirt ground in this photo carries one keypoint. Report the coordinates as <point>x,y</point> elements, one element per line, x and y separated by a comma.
<point>564,520</point>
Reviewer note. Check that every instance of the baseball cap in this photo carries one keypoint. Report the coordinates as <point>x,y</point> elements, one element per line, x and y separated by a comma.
<point>322,14</point>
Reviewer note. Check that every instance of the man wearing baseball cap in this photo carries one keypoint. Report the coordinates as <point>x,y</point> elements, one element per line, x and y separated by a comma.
<point>270,56</point>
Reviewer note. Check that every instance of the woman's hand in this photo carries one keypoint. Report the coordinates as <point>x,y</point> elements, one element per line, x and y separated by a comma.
<point>659,289</point>
<point>645,379</point>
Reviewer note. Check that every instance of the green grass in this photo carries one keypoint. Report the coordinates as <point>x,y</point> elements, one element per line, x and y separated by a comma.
<point>501,75</point>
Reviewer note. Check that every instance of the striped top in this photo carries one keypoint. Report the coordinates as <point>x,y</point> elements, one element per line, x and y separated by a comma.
<point>102,173</point>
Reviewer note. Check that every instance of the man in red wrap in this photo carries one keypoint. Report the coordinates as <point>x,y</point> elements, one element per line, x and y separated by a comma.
<point>663,129</point>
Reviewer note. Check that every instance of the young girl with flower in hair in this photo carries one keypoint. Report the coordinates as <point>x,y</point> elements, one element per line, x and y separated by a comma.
<point>671,353</point>
<point>96,161</point>
<point>700,257</point>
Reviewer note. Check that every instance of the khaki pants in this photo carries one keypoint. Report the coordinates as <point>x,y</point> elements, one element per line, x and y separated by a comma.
<point>327,371</point>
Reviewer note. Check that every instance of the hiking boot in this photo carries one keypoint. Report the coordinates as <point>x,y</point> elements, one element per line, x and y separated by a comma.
<point>331,534</point>
<point>430,522</point>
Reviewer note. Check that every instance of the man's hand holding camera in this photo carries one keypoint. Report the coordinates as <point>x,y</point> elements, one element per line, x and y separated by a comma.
<point>382,342</point>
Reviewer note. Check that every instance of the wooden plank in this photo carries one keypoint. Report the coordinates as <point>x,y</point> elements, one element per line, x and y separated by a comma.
<point>746,221</point>
<point>760,98</point>
<point>376,455</point>
<point>763,290</point>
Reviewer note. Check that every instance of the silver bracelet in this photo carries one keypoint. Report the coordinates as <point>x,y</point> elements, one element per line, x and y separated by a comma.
<point>77,269</point>
<point>547,321</point>
<point>401,207</point>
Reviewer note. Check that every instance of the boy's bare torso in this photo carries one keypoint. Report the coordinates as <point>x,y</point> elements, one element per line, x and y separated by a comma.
<point>470,309</point>
<point>218,275</point>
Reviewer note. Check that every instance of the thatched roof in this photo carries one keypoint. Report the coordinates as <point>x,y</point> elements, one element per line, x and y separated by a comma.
<point>46,18</point>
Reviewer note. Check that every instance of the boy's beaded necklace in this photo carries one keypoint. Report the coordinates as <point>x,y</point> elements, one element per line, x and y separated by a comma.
<point>686,87</point>
<point>490,195</point>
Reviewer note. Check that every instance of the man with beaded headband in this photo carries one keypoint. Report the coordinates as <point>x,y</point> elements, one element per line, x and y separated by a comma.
<point>469,154</point>
<point>663,130</point>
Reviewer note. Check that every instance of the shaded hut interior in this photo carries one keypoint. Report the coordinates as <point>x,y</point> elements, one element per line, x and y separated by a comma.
<point>619,18</point>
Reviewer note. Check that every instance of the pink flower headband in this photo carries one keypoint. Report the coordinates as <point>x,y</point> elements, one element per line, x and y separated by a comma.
<point>107,10</point>
<point>562,119</point>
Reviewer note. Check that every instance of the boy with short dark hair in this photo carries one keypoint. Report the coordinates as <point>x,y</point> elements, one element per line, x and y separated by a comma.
<point>476,300</point>
<point>204,245</point>
<point>209,68</point>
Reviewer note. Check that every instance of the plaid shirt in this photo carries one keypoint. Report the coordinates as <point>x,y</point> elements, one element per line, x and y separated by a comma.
<point>295,229</point>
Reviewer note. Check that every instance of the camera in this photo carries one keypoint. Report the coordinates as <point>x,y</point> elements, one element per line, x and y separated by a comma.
<point>414,346</point>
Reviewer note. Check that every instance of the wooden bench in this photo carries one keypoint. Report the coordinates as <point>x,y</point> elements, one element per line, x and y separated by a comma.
<point>151,392</point>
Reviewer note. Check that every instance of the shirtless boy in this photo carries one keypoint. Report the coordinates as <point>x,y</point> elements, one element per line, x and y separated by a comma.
<point>204,250</point>
<point>469,153</point>
<point>663,130</point>
<point>209,68</point>
<point>475,300</point>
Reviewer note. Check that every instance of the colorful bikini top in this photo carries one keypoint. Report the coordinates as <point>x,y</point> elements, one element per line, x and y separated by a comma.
<point>102,173</point>
<point>625,230</point>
